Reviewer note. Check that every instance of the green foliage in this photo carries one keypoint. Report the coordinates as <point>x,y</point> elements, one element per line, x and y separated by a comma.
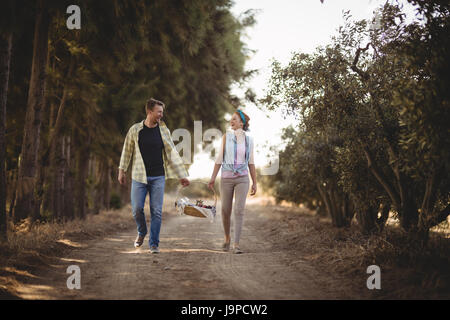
<point>185,53</point>
<point>374,121</point>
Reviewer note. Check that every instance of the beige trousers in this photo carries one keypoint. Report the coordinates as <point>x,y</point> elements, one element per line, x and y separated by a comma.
<point>239,186</point>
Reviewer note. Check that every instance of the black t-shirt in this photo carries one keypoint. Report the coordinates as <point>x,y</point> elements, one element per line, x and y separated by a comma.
<point>151,147</point>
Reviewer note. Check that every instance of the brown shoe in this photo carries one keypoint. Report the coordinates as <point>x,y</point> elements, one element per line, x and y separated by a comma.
<point>139,241</point>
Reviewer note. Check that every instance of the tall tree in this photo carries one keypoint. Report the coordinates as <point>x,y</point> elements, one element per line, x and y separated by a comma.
<point>30,146</point>
<point>377,95</point>
<point>185,53</point>
<point>5,60</point>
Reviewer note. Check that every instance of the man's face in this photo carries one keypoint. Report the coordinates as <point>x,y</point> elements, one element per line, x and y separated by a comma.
<point>157,113</point>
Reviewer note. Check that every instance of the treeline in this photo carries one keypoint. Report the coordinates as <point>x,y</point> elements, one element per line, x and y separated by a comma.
<point>69,96</point>
<point>374,121</point>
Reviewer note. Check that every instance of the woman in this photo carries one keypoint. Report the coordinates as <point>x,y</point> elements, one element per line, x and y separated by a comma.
<point>236,159</point>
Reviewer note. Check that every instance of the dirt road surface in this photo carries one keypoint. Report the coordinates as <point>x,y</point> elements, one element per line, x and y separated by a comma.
<point>191,265</point>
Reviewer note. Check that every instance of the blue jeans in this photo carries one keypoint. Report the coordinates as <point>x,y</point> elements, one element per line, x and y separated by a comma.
<point>155,187</point>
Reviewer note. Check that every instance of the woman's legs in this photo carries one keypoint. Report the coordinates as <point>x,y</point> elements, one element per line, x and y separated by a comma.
<point>241,190</point>
<point>239,187</point>
<point>226,198</point>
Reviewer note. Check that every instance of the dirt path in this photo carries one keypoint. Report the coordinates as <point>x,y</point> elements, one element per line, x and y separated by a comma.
<point>191,265</point>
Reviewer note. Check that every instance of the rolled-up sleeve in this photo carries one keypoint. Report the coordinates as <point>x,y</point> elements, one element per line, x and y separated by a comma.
<point>127,151</point>
<point>219,158</point>
<point>251,159</point>
<point>173,162</point>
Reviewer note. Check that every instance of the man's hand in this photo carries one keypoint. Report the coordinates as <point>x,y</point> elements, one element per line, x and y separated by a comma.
<point>184,182</point>
<point>122,177</point>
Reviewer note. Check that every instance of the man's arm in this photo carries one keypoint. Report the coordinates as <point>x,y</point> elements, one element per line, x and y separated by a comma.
<point>173,156</point>
<point>125,158</point>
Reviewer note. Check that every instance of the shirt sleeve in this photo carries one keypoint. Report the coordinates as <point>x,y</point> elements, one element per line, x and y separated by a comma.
<point>127,151</point>
<point>174,159</point>
<point>251,159</point>
<point>219,158</point>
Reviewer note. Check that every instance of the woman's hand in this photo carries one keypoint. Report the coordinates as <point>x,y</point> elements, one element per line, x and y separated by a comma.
<point>184,182</point>
<point>211,184</point>
<point>254,188</point>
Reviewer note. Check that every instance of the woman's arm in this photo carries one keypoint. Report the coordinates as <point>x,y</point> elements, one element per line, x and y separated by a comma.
<point>252,169</point>
<point>214,175</point>
<point>217,164</point>
<point>253,175</point>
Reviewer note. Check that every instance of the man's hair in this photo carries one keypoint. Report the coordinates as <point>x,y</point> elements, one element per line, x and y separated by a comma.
<point>151,103</point>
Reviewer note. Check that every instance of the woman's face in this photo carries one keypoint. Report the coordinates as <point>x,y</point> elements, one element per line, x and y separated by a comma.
<point>236,122</point>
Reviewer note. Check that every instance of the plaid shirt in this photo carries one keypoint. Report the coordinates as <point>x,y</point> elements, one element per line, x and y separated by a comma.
<point>173,164</point>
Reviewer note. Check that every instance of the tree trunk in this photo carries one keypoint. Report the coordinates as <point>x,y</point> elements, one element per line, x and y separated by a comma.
<point>430,216</point>
<point>13,193</point>
<point>36,95</point>
<point>5,61</point>
<point>368,219</point>
<point>325,198</point>
<point>338,206</point>
<point>99,202</point>
<point>103,186</point>
<point>343,209</point>
<point>348,209</point>
<point>68,181</point>
<point>98,189</point>
<point>39,192</point>
<point>45,163</point>
<point>83,155</point>
<point>57,164</point>
<point>408,212</point>
<point>107,186</point>
<point>385,208</point>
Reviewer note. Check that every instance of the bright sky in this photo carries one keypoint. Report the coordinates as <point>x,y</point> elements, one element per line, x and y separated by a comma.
<point>283,27</point>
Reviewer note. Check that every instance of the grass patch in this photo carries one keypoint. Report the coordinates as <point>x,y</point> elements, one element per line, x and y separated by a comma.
<point>30,247</point>
<point>408,271</point>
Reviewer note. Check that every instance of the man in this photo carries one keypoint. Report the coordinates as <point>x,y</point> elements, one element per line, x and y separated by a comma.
<point>150,144</point>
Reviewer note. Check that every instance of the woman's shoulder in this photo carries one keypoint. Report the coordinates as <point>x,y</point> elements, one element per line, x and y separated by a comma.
<point>228,134</point>
<point>249,136</point>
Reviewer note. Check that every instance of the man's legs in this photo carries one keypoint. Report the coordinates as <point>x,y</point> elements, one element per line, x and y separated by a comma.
<point>138,194</point>
<point>156,188</point>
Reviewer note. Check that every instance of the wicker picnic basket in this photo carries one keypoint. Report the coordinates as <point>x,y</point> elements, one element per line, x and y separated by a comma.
<point>201,208</point>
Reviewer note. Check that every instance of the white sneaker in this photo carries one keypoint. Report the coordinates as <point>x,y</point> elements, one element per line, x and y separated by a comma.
<point>237,250</point>
<point>139,241</point>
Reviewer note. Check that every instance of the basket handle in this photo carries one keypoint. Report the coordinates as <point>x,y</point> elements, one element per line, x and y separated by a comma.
<point>214,191</point>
